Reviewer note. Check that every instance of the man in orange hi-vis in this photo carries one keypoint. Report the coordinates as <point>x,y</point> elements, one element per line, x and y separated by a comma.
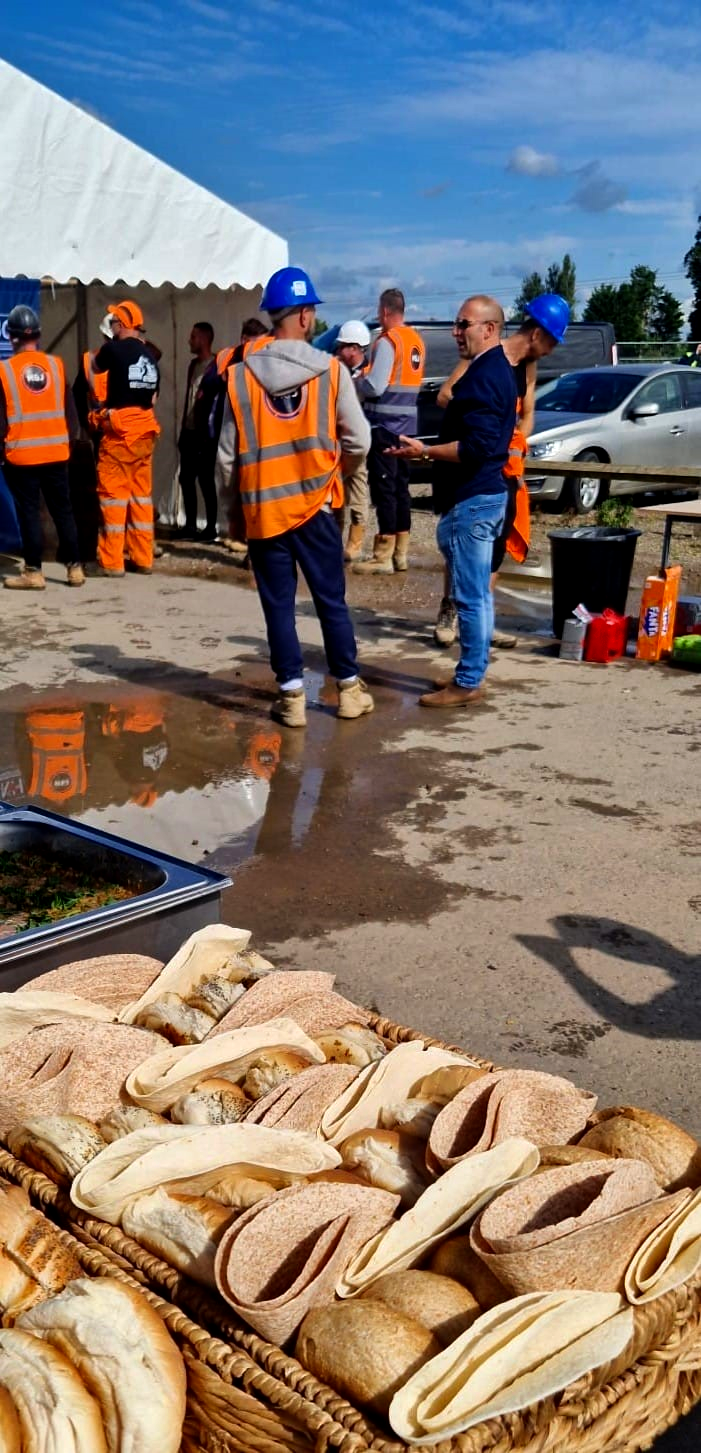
<point>128,433</point>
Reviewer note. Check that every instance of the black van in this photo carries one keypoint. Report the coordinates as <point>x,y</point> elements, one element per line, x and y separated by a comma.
<point>587,345</point>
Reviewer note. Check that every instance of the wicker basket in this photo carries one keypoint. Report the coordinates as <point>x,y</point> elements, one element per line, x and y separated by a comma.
<point>620,1408</point>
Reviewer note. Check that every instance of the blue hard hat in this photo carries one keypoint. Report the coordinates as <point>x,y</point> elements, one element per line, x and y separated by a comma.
<point>550,312</point>
<point>289,287</point>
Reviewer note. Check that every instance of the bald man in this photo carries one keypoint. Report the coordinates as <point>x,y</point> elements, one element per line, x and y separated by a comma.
<point>469,487</point>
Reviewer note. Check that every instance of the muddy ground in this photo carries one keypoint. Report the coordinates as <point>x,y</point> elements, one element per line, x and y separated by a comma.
<point>521,879</point>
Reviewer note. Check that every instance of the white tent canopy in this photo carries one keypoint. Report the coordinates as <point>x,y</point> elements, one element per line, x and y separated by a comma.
<point>98,219</point>
<point>80,201</point>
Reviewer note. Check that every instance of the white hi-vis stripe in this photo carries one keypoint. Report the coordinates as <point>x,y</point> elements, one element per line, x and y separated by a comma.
<point>112,529</point>
<point>141,499</point>
<point>137,525</point>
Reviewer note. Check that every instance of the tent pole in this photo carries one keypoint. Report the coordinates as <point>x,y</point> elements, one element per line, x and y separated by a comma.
<point>81,308</point>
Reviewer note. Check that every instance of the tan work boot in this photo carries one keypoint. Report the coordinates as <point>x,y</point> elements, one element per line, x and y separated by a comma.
<point>75,574</point>
<point>354,543</point>
<point>354,700</point>
<point>381,562</point>
<point>28,580</point>
<point>446,628</point>
<point>290,708</point>
<point>400,558</point>
<point>503,639</point>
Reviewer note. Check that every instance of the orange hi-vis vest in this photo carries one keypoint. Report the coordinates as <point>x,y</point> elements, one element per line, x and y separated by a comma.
<point>58,755</point>
<point>397,407</point>
<point>224,358</point>
<point>97,382</point>
<point>34,385</point>
<point>519,537</point>
<point>288,464</point>
<point>251,345</point>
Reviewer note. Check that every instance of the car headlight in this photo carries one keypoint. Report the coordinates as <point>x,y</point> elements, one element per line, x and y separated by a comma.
<point>546,449</point>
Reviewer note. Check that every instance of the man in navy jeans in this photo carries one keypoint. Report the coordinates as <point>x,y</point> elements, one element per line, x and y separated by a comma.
<point>470,488</point>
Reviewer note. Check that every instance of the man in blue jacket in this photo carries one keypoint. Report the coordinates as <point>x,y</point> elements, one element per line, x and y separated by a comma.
<point>470,488</point>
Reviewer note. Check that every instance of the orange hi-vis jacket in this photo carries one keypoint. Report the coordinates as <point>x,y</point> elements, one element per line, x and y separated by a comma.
<point>97,382</point>
<point>397,408</point>
<point>34,385</point>
<point>519,537</point>
<point>224,358</point>
<point>57,740</point>
<point>288,465</point>
<point>251,345</point>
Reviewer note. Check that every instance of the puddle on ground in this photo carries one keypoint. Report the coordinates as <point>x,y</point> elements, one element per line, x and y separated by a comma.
<point>200,771</point>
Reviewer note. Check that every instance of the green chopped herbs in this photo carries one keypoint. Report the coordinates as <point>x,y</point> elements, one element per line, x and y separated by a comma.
<point>35,890</point>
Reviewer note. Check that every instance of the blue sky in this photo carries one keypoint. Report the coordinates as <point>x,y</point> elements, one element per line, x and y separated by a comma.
<point>445,148</point>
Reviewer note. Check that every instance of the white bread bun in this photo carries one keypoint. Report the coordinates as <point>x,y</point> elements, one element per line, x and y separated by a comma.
<point>127,1360</point>
<point>215,997</point>
<point>388,1160</point>
<point>212,1102</point>
<point>34,1264</point>
<point>351,1045</point>
<point>57,1145</point>
<point>175,1020</point>
<point>412,1117</point>
<point>364,1350</point>
<point>124,1118</point>
<point>270,1069</point>
<point>183,1230</point>
<point>438,1302</point>
<point>55,1410</point>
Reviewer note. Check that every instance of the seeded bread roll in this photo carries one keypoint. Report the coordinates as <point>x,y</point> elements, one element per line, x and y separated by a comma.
<point>212,1102</point>
<point>175,1020</point>
<point>364,1350</point>
<point>125,1357</point>
<point>123,1119</point>
<point>215,997</point>
<point>183,1230</point>
<point>33,1262</point>
<point>386,1159</point>
<point>57,1145</point>
<point>270,1069</point>
<point>351,1045</point>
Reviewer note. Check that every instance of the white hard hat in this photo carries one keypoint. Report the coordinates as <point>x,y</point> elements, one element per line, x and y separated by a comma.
<point>106,326</point>
<point>354,332</point>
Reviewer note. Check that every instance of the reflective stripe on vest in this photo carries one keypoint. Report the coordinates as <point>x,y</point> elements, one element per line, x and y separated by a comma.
<point>396,409</point>
<point>287,464</point>
<point>37,432</point>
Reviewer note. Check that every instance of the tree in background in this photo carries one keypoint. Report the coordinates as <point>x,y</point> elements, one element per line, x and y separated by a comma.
<point>561,277</point>
<point>531,287</point>
<point>692,268</point>
<point>320,327</point>
<point>639,308</point>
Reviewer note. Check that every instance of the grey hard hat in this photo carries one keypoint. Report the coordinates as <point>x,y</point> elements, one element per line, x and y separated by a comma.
<point>23,322</point>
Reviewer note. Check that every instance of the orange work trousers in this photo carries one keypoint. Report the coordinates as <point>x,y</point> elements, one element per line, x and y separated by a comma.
<point>124,488</point>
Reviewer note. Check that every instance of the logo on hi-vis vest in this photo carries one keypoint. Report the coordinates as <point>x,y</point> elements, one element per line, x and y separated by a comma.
<point>143,373</point>
<point>35,378</point>
<point>415,359</point>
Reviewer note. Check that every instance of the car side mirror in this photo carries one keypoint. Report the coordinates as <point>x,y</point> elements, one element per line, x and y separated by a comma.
<point>645,411</point>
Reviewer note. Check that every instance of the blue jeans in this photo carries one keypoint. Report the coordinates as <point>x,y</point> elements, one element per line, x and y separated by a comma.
<point>466,536</point>
<point>317,548</point>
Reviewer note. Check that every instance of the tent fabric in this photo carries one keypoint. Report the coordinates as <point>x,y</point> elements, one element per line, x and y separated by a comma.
<point>82,202</point>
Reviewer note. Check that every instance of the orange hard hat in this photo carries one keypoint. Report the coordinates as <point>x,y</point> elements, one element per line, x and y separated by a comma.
<point>127,313</point>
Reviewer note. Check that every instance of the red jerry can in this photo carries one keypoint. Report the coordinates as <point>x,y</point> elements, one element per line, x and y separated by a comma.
<point>606,637</point>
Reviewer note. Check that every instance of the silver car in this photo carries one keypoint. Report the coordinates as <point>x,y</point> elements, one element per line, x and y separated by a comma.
<point>638,414</point>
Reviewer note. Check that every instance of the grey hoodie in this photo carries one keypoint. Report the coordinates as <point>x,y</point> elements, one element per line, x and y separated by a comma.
<point>283,366</point>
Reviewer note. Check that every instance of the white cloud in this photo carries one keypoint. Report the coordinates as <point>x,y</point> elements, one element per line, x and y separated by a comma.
<point>595,191</point>
<point>527,162</point>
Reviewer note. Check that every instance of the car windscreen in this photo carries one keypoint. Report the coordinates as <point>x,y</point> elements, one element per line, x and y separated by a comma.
<point>592,392</point>
<point>441,352</point>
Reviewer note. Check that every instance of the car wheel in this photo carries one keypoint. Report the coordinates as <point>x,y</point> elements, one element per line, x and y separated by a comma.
<point>586,492</point>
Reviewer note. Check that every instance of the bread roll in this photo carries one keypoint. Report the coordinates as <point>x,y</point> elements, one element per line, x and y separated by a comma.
<point>353,1044</point>
<point>386,1159</point>
<point>57,1145</point>
<point>34,1264</point>
<point>215,997</point>
<point>413,1117</point>
<point>439,1303</point>
<point>54,1408</point>
<point>10,1430</point>
<point>214,952</point>
<point>635,1134</point>
<point>444,1084</point>
<point>212,1102</point>
<point>455,1258</point>
<point>566,1155</point>
<point>124,1118</point>
<point>128,1362</point>
<point>238,1191</point>
<point>183,1230</point>
<point>364,1350</point>
<point>175,1020</point>
<point>270,1069</point>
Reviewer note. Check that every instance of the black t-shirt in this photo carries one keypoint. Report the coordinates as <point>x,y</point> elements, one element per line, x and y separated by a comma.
<point>133,376</point>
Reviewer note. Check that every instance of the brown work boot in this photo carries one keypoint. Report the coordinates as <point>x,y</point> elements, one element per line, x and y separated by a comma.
<point>28,580</point>
<point>354,543</point>
<point>400,558</point>
<point>354,700</point>
<point>381,561</point>
<point>503,639</point>
<point>290,708</point>
<point>453,695</point>
<point>109,574</point>
<point>446,628</point>
<point>75,575</point>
